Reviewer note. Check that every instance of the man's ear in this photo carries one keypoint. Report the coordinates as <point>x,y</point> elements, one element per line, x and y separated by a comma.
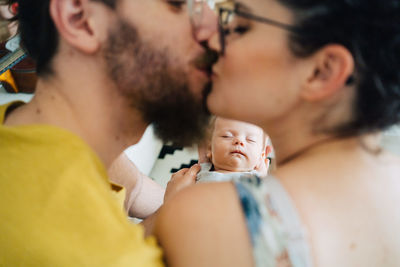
<point>331,67</point>
<point>75,24</point>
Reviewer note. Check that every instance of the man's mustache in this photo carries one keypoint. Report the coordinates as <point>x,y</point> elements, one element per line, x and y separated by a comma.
<point>206,60</point>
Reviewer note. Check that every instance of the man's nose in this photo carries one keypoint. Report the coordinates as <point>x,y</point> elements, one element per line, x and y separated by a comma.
<point>207,24</point>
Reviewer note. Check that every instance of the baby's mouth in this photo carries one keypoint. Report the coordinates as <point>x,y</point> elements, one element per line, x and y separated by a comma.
<point>238,152</point>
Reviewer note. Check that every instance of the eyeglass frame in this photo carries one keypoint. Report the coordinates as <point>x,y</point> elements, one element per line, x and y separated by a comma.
<point>222,30</point>
<point>195,12</point>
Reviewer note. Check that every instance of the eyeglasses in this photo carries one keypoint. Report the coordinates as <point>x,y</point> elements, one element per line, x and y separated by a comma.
<point>228,24</point>
<point>195,9</point>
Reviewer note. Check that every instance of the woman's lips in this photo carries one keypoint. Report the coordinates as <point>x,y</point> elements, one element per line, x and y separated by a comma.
<point>214,75</point>
<point>214,71</point>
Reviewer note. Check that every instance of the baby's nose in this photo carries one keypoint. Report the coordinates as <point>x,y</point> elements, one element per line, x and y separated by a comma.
<point>238,141</point>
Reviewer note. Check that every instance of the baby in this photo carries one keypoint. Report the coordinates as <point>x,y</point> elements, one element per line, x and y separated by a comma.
<point>237,148</point>
<point>234,147</point>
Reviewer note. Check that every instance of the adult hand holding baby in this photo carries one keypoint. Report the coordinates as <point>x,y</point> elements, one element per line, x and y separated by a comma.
<point>181,179</point>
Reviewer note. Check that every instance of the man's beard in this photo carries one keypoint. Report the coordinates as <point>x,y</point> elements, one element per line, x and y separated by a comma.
<point>160,93</point>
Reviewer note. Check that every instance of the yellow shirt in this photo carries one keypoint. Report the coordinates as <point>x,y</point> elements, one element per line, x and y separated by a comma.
<point>56,206</point>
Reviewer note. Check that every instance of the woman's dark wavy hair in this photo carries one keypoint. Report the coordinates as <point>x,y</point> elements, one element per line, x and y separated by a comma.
<point>370,30</point>
<point>39,36</point>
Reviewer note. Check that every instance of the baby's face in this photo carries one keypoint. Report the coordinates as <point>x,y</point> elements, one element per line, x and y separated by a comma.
<point>236,146</point>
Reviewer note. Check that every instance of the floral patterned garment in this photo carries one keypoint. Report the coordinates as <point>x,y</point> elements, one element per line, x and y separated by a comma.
<point>277,236</point>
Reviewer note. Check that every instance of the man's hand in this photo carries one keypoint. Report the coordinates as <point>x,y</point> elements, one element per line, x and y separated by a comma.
<point>180,180</point>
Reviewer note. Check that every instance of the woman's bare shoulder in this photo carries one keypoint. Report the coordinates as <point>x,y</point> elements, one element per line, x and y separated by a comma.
<point>203,225</point>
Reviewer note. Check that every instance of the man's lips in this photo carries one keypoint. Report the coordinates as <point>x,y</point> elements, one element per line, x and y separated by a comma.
<point>206,61</point>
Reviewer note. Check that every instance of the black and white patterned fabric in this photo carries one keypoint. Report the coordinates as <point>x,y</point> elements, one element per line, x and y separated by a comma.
<point>171,159</point>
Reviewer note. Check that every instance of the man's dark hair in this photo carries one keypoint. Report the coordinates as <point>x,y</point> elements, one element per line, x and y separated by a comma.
<point>39,35</point>
<point>370,30</point>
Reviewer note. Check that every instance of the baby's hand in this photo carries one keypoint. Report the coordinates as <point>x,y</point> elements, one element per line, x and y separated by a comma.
<point>180,180</point>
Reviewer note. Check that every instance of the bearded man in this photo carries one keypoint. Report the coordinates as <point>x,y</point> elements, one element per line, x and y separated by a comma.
<point>106,69</point>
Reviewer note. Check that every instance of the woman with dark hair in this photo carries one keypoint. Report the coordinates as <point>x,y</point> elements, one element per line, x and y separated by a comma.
<point>322,78</point>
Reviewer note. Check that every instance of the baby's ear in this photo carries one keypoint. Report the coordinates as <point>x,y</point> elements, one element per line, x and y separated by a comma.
<point>204,152</point>
<point>209,152</point>
<point>268,150</point>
